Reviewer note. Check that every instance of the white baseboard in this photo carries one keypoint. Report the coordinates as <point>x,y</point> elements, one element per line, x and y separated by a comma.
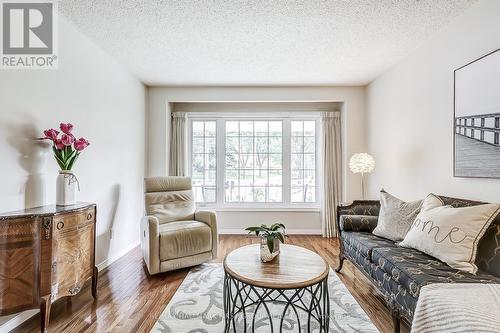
<point>236,231</point>
<point>23,316</point>
<point>105,263</point>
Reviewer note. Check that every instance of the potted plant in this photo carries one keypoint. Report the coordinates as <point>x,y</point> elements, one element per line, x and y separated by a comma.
<point>270,238</point>
<point>66,150</point>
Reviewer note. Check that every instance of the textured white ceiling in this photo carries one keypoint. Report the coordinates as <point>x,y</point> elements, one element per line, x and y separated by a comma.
<point>273,42</point>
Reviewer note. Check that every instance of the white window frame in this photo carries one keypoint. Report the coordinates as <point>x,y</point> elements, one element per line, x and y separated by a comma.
<point>286,118</point>
<point>317,160</point>
<point>189,158</point>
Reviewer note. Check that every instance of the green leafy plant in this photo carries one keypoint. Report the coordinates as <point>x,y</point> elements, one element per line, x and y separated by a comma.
<point>270,233</point>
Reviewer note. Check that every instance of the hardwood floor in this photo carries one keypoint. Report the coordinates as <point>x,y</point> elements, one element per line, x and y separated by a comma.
<point>129,300</point>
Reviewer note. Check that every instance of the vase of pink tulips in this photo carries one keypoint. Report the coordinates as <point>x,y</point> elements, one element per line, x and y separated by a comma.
<point>66,150</point>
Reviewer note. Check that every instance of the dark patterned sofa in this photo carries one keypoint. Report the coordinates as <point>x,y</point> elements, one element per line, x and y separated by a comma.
<point>399,272</point>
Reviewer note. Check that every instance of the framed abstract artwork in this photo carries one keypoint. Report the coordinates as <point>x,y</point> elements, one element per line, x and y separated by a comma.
<point>476,129</point>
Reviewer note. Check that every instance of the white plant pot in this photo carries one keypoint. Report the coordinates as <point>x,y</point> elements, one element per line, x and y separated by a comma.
<point>66,185</point>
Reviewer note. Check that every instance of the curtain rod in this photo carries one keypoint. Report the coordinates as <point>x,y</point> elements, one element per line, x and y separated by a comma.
<point>293,114</point>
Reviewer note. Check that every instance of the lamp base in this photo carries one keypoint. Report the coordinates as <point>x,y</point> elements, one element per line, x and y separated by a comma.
<point>363,191</point>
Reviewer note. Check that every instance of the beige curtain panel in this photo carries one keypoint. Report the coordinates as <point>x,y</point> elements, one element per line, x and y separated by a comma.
<point>178,144</point>
<point>332,170</point>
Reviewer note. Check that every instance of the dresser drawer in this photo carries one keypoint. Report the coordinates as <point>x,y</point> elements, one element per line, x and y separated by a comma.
<point>76,220</point>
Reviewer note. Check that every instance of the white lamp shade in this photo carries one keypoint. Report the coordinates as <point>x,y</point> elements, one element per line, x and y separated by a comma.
<point>362,163</point>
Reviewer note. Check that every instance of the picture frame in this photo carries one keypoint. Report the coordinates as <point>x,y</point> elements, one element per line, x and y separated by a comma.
<point>476,118</point>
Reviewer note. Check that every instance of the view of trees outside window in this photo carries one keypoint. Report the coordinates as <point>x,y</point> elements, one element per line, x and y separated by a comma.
<point>254,161</point>
<point>204,161</point>
<point>256,165</point>
<point>303,161</point>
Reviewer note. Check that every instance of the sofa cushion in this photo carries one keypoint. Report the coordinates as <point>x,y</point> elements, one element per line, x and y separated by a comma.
<point>394,293</point>
<point>396,216</point>
<point>184,238</point>
<point>451,234</point>
<point>365,242</point>
<point>413,269</point>
<point>488,251</point>
<point>357,258</point>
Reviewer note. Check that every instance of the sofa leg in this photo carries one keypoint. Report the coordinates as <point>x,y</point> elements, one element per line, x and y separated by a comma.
<point>341,263</point>
<point>396,321</point>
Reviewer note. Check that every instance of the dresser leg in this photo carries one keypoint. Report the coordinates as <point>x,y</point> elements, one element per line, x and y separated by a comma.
<point>95,275</point>
<point>44,313</point>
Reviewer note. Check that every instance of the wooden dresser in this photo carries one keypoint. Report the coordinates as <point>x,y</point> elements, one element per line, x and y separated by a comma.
<point>46,253</point>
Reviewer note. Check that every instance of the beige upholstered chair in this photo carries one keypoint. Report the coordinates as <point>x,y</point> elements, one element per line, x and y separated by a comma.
<point>173,235</point>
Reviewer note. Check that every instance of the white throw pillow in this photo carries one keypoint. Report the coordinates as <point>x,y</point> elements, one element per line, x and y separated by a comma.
<point>450,234</point>
<point>395,217</point>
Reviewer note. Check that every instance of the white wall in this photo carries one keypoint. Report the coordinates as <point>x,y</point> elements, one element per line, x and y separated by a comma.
<point>107,105</point>
<point>410,111</point>
<point>353,117</point>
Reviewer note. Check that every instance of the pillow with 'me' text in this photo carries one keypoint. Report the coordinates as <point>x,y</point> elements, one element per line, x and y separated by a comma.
<point>450,234</point>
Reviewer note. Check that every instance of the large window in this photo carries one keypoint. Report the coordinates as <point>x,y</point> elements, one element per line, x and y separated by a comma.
<point>262,161</point>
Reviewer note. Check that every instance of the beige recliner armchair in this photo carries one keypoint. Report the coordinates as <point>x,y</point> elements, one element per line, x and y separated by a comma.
<point>173,234</point>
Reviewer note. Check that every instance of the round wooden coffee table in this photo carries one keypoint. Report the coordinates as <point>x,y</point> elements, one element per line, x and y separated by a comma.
<point>297,279</point>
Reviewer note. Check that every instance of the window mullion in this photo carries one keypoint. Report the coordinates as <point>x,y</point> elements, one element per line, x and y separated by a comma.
<point>205,166</point>
<point>220,151</point>
<point>189,157</point>
<point>287,130</point>
<point>318,161</point>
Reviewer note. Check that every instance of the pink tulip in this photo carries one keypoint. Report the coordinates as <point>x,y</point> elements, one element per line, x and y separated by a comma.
<point>58,143</point>
<point>51,134</point>
<point>81,144</point>
<point>66,128</point>
<point>67,139</point>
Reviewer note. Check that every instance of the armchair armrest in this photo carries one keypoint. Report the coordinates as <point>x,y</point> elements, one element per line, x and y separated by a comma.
<point>209,218</point>
<point>358,223</point>
<point>150,243</point>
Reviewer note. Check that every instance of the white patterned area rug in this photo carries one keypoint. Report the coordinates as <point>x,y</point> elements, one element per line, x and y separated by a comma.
<point>197,307</point>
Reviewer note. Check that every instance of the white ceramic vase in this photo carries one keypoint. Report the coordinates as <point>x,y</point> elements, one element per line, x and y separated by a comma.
<point>66,185</point>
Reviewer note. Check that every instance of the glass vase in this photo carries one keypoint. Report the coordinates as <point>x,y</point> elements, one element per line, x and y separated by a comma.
<point>265,254</point>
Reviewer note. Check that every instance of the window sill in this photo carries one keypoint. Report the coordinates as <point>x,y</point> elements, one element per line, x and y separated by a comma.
<point>260,209</point>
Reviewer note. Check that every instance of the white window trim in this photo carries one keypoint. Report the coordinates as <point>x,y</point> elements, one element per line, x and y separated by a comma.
<point>220,119</point>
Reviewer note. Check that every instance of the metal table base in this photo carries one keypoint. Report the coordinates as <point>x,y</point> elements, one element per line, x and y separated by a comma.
<point>239,297</point>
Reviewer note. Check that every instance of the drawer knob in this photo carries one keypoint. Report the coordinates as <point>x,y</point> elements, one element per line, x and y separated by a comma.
<point>89,216</point>
<point>60,225</point>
